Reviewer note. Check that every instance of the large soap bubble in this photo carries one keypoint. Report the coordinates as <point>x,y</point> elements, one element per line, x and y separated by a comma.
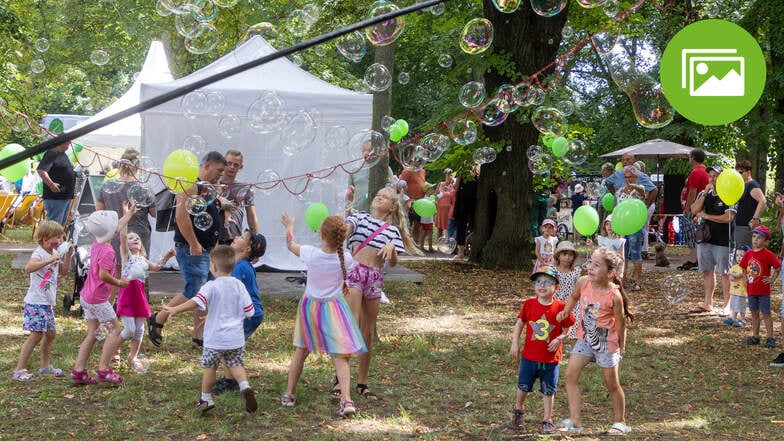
<point>41,45</point>
<point>378,78</point>
<point>351,46</point>
<point>675,289</point>
<point>298,133</point>
<point>141,195</point>
<point>99,57</point>
<point>463,131</point>
<point>267,114</point>
<point>267,180</point>
<point>651,108</point>
<point>386,32</point>
<point>577,153</point>
<point>493,112</point>
<point>548,8</point>
<point>194,104</point>
<point>471,94</point>
<point>507,6</point>
<point>368,145</point>
<point>202,221</point>
<point>299,22</point>
<point>203,41</point>
<point>37,66</point>
<point>549,121</point>
<point>477,36</point>
<point>336,137</point>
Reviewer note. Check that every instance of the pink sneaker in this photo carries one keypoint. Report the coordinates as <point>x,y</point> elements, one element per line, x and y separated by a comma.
<point>79,378</point>
<point>108,376</point>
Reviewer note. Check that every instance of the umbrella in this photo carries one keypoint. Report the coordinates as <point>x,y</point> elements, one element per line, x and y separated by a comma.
<point>655,148</point>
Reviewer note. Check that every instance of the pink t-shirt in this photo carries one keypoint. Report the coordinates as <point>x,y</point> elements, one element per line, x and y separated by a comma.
<point>95,290</point>
<point>597,318</point>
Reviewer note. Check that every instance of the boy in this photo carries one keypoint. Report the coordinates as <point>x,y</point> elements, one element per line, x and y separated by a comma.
<point>542,348</point>
<point>248,247</point>
<point>738,296</point>
<point>761,267</point>
<point>427,222</point>
<point>228,304</point>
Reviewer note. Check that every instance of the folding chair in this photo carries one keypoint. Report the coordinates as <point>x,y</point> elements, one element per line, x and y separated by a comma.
<point>6,202</point>
<point>22,210</point>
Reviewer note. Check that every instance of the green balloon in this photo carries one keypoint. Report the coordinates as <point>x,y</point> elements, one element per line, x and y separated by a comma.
<point>586,220</point>
<point>395,133</point>
<point>560,146</point>
<point>39,188</point>
<point>77,147</point>
<point>14,172</point>
<point>56,126</point>
<point>424,207</point>
<point>403,126</point>
<point>547,140</point>
<point>629,216</point>
<point>608,200</point>
<point>315,215</point>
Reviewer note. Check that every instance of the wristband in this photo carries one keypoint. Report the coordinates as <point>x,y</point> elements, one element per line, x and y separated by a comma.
<point>289,237</point>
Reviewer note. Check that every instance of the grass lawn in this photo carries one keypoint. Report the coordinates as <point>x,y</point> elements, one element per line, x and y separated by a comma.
<point>441,370</point>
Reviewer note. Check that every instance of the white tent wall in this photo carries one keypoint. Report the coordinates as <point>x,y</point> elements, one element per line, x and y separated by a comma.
<point>164,128</point>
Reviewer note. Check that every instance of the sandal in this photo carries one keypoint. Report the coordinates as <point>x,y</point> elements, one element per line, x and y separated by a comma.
<point>152,330</point>
<point>197,343</point>
<point>108,376</point>
<point>51,370</point>
<point>363,391</point>
<point>636,287</point>
<point>619,429</point>
<point>22,375</point>
<point>288,400</point>
<point>81,377</point>
<point>548,427</point>
<point>568,426</point>
<point>347,408</point>
<point>335,392</point>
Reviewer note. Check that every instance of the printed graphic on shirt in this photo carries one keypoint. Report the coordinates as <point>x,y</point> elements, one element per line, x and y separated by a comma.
<point>542,329</point>
<point>594,335</point>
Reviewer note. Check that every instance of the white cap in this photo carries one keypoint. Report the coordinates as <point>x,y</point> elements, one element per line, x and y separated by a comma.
<point>102,224</point>
<point>579,188</point>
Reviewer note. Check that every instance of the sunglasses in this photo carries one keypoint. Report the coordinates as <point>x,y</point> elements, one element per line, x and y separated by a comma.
<point>544,282</point>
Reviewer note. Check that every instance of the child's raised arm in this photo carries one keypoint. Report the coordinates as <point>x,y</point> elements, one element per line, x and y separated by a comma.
<point>157,266</point>
<point>288,222</point>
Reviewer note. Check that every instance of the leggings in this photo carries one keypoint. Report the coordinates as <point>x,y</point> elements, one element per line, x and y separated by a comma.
<point>132,327</point>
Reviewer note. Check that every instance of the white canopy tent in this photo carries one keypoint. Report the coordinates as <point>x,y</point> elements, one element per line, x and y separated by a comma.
<point>113,139</point>
<point>165,127</point>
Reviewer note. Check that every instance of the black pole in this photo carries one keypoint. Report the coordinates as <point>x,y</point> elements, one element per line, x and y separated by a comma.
<point>168,96</point>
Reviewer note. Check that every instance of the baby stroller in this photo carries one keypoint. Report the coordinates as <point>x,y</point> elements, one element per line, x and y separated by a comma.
<point>81,261</point>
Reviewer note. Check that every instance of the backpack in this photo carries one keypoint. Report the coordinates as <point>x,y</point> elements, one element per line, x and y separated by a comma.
<point>165,206</point>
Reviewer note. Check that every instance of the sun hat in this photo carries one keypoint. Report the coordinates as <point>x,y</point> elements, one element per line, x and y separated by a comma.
<point>762,230</point>
<point>608,218</point>
<point>579,188</point>
<point>427,186</point>
<point>564,246</point>
<point>102,224</point>
<point>549,222</point>
<point>258,245</point>
<point>716,168</point>
<point>547,271</point>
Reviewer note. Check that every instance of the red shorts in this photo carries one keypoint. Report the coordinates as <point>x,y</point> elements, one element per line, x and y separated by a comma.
<point>427,227</point>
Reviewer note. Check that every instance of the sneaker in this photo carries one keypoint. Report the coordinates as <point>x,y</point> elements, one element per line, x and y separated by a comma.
<point>108,376</point>
<point>288,400</point>
<point>51,370</point>
<point>687,266</point>
<point>249,399</point>
<point>225,385</point>
<point>21,375</point>
<point>548,427</point>
<point>770,342</point>
<point>729,321</point>
<point>751,340</point>
<point>517,419</point>
<point>80,378</point>
<point>739,324</point>
<point>204,406</point>
<point>779,361</point>
<point>347,408</point>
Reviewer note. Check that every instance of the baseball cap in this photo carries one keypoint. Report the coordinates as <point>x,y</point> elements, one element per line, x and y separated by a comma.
<point>102,224</point>
<point>549,222</point>
<point>716,168</point>
<point>427,186</point>
<point>258,245</point>
<point>547,271</point>
<point>762,230</point>
<point>579,188</point>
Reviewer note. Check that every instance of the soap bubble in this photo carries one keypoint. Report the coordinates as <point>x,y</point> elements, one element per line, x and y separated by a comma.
<point>378,78</point>
<point>229,126</point>
<point>445,60</point>
<point>437,9</point>
<point>403,78</point>
<point>141,195</point>
<point>651,108</point>
<point>194,104</point>
<point>592,189</point>
<point>37,66</point>
<point>603,41</point>
<point>541,165</point>
<point>620,65</point>
<point>141,364</point>
<point>463,131</point>
<point>195,204</point>
<point>267,180</point>
<point>484,155</point>
<point>313,11</point>
<point>611,8</point>
<point>533,151</point>
<point>226,3</point>
<point>493,112</point>
<point>534,96</point>
<point>336,137</point>
<point>267,114</point>
<point>351,46</point>
<point>548,121</point>
<point>675,289</point>
<point>266,30</point>
<point>186,24</point>
<point>477,36</point>
<point>386,122</point>
<point>205,12</point>
<point>471,94</point>
<point>41,45</point>
<point>548,8</point>
<point>202,221</point>
<point>216,101</point>
<point>112,186</point>
<point>99,57</point>
<point>297,134</point>
<point>576,154</point>
<point>507,6</point>
<point>206,191</point>
<point>567,32</point>
<point>368,145</point>
<point>446,245</point>
<point>161,8</point>
<point>386,32</point>
<point>411,156</point>
<point>103,330</point>
<point>590,3</point>
<point>566,107</point>
<point>509,93</point>
<point>195,144</point>
<point>298,22</point>
<point>202,41</point>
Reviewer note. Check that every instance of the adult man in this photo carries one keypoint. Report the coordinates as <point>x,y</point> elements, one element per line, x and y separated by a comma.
<point>750,206</point>
<point>415,180</point>
<point>617,181</point>
<point>695,183</point>
<point>237,200</point>
<point>57,173</point>
<point>193,247</point>
<point>714,255</point>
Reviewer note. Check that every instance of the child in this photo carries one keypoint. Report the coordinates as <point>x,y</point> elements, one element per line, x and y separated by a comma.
<point>738,296</point>
<point>132,306</point>
<point>608,239</point>
<point>94,298</point>
<point>248,247</point>
<point>761,267</point>
<point>601,335</point>
<point>228,304</point>
<point>565,257</point>
<point>544,245</point>
<point>542,347</point>
<point>324,320</point>
<point>427,222</point>
<point>44,266</point>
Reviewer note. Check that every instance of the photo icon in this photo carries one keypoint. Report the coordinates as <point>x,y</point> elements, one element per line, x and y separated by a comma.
<point>713,72</point>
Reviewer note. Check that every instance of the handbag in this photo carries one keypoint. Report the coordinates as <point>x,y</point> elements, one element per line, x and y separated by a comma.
<point>703,233</point>
<point>369,238</point>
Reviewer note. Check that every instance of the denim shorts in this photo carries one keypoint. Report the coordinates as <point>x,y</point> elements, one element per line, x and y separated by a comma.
<point>634,246</point>
<point>195,270</point>
<point>602,359</point>
<point>547,373</point>
<point>57,209</point>
<point>759,303</point>
<point>38,318</point>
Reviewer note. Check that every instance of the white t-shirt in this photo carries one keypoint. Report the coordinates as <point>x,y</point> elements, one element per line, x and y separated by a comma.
<point>325,277</point>
<point>135,268</point>
<point>43,283</point>
<point>227,303</point>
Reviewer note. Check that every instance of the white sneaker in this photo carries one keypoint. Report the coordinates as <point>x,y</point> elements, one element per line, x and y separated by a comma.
<point>384,300</point>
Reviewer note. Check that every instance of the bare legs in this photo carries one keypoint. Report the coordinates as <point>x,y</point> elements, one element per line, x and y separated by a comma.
<point>366,312</point>
<point>46,339</point>
<point>611,381</point>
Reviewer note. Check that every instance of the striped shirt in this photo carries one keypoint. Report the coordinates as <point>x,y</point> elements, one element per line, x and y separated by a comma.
<point>364,225</point>
<point>227,303</point>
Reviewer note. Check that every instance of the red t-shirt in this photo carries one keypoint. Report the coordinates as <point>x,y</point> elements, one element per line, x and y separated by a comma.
<point>541,328</point>
<point>757,265</point>
<point>697,179</point>
<point>415,180</point>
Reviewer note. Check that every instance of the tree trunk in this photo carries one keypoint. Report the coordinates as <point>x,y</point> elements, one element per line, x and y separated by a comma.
<point>503,238</point>
<point>382,106</point>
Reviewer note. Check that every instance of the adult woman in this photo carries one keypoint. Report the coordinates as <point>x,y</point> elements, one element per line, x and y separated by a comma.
<point>633,241</point>
<point>446,202</point>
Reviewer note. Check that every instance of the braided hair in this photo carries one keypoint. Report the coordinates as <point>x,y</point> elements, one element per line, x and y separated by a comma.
<point>333,233</point>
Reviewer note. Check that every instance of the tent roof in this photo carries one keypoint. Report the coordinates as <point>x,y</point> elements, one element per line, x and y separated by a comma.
<point>126,133</point>
<point>655,148</point>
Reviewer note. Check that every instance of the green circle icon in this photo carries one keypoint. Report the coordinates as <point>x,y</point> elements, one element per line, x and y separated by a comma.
<point>713,72</point>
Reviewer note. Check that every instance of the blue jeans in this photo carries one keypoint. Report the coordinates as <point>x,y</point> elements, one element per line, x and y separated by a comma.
<point>195,270</point>
<point>451,231</point>
<point>57,209</point>
<point>249,325</point>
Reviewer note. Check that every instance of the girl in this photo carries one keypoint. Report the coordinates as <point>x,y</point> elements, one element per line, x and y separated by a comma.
<point>544,245</point>
<point>565,257</point>
<point>324,321</point>
<point>44,266</point>
<point>94,298</point>
<point>374,238</point>
<point>132,306</point>
<point>601,335</point>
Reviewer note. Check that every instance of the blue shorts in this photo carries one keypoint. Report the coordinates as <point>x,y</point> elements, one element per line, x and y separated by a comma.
<point>759,303</point>
<point>249,325</point>
<point>634,246</point>
<point>57,209</point>
<point>38,318</point>
<point>531,370</point>
<point>195,270</point>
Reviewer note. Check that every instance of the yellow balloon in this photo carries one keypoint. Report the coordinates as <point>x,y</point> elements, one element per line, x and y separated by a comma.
<point>180,170</point>
<point>729,186</point>
<point>619,165</point>
<point>111,174</point>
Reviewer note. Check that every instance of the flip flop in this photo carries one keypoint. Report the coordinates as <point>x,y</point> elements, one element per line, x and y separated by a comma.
<point>700,310</point>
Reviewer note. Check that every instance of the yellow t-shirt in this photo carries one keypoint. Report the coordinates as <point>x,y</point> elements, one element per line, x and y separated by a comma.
<point>737,287</point>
